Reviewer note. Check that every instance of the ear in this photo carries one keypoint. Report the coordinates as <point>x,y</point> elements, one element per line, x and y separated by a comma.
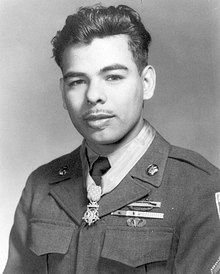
<point>149,81</point>
<point>62,91</point>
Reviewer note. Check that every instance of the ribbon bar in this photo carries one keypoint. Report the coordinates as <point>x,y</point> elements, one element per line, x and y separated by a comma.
<point>145,204</point>
<point>129,213</point>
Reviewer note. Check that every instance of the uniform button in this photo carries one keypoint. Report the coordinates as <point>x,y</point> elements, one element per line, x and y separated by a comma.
<point>63,171</point>
<point>152,169</point>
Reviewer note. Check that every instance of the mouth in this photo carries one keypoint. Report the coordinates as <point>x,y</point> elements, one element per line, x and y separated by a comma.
<point>98,120</point>
<point>98,116</point>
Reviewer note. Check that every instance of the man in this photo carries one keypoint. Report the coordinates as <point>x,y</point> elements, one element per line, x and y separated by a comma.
<point>125,201</point>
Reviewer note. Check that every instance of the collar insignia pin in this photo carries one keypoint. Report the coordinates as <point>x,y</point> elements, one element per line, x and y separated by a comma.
<point>152,169</point>
<point>63,170</point>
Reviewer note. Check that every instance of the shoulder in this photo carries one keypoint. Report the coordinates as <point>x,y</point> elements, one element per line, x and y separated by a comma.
<point>180,160</point>
<point>185,168</point>
<point>192,171</point>
<point>56,164</point>
<point>191,160</point>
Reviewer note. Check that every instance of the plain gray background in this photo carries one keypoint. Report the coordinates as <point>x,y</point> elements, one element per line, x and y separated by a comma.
<point>35,128</point>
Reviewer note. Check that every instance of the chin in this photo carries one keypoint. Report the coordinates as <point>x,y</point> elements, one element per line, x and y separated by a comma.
<point>106,140</point>
<point>103,141</point>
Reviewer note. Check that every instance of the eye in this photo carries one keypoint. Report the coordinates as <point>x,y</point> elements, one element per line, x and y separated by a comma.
<point>114,77</point>
<point>74,83</point>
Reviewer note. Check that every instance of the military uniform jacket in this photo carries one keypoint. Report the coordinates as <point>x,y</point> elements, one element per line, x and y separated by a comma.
<point>49,235</point>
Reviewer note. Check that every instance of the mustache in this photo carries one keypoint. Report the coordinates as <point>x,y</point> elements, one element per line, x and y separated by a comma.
<point>97,112</point>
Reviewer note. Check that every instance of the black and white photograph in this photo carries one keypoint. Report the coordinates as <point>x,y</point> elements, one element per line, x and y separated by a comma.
<point>110,136</point>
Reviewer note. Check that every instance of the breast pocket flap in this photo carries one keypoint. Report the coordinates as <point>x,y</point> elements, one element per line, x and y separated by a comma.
<point>135,248</point>
<point>48,237</point>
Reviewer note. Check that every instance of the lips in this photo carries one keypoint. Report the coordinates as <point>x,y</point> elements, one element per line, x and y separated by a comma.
<point>99,116</point>
<point>98,120</point>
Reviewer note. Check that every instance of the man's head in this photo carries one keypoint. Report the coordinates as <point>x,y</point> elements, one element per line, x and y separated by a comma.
<point>105,74</point>
<point>99,22</point>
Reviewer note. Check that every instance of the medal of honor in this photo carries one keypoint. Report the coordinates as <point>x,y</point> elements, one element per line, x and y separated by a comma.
<point>92,214</point>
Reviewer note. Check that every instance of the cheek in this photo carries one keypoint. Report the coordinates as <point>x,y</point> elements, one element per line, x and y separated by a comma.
<point>130,98</point>
<point>138,98</point>
<point>74,102</point>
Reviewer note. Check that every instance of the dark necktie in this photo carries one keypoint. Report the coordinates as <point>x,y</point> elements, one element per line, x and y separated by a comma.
<point>99,168</point>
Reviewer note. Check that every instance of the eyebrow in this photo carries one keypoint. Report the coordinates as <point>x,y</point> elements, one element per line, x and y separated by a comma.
<point>114,67</point>
<point>73,74</point>
<point>103,70</point>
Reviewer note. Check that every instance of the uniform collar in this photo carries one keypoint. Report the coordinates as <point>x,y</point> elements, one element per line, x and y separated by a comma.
<point>138,183</point>
<point>66,167</point>
<point>69,190</point>
<point>156,155</point>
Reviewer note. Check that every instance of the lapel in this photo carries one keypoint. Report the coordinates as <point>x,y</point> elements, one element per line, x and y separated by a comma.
<point>127,191</point>
<point>138,183</point>
<point>69,191</point>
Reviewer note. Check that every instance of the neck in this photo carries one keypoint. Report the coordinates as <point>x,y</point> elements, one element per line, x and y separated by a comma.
<point>106,149</point>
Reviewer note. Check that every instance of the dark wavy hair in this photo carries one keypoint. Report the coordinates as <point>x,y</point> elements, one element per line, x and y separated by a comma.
<point>98,22</point>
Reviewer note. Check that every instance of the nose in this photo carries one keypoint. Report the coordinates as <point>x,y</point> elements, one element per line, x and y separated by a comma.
<point>95,93</point>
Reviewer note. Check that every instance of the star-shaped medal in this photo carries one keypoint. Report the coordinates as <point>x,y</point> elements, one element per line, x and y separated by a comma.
<point>92,215</point>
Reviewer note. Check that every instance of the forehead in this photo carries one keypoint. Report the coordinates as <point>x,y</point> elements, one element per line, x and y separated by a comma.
<point>100,53</point>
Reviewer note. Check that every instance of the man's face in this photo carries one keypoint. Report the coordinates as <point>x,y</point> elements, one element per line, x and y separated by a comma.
<point>103,90</point>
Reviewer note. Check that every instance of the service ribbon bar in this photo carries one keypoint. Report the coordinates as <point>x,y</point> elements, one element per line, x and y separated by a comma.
<point>145,204</point>
<point>130,213</point>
